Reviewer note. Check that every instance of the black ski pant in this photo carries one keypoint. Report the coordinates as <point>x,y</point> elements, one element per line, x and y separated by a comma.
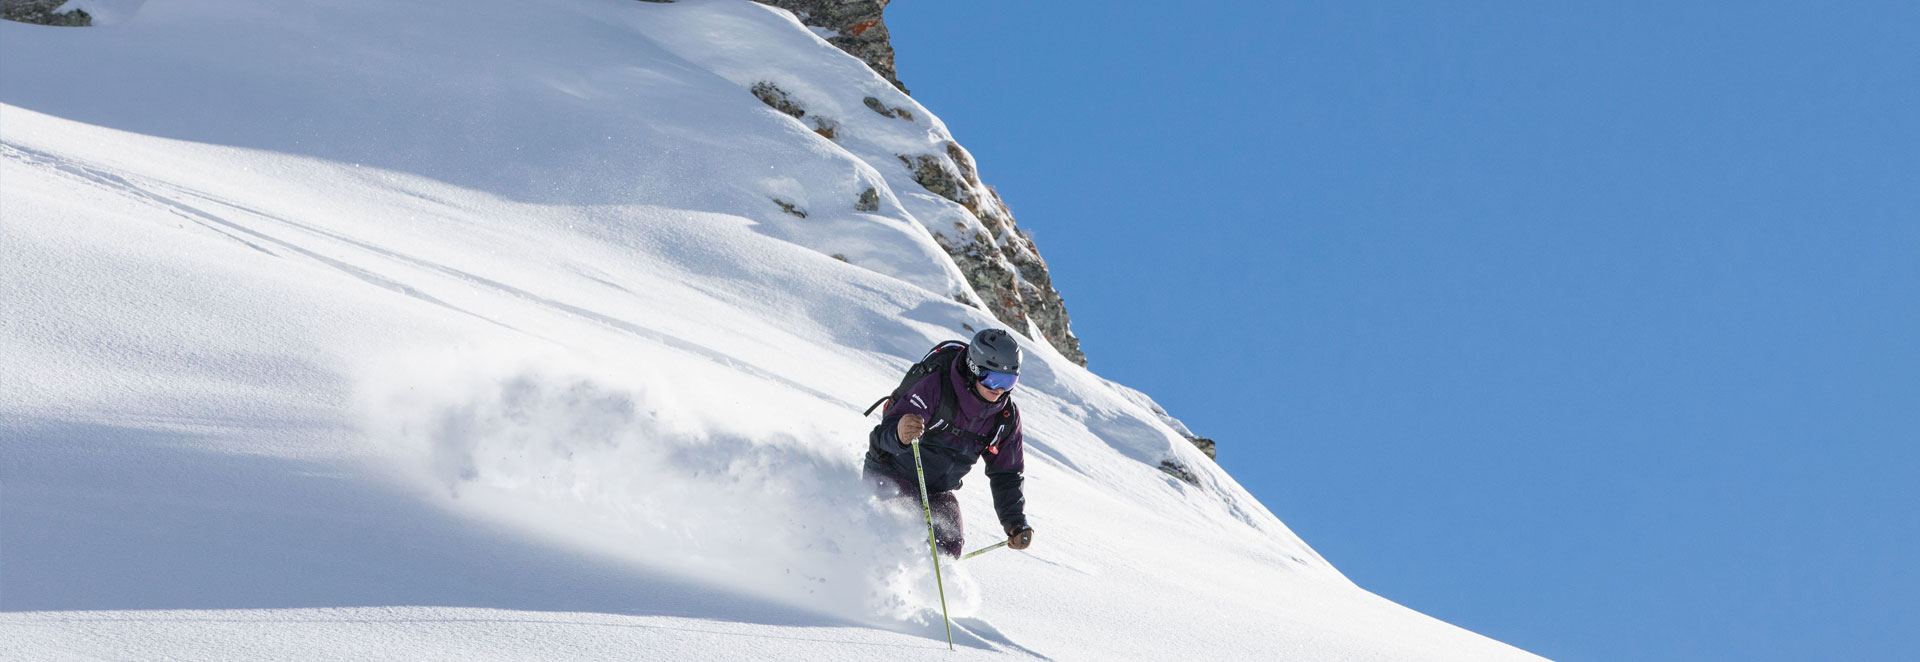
<point>945,506</point>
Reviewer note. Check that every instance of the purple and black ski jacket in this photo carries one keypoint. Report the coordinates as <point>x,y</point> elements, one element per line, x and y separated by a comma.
<point>948,457</point>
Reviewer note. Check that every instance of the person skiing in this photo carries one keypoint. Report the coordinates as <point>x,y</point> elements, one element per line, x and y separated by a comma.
<point>961,409</point>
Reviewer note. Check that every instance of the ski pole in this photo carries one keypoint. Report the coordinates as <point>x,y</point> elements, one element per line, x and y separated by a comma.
<point>926,506</point>
<point>984,550</point>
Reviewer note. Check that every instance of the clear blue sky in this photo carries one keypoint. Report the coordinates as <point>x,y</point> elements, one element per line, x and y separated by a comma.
<point>1593,328</point>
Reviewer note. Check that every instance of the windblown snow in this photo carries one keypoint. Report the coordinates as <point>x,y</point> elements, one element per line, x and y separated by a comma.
<point>471,330</point>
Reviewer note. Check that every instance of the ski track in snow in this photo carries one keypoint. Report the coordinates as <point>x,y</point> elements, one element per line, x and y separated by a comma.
<point>564,440</point>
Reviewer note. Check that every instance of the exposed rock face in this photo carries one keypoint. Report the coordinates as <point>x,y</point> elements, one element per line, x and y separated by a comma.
<point>41,12</point>
<point>773,96</point>
<point>859,29</point>
<point>1206,446</point>
<point>1180,471</point>
<point>998,259</point>
<point>790,208</point>
<point>1001,263</point>
<point>778,99</point>
<point>890,112</point>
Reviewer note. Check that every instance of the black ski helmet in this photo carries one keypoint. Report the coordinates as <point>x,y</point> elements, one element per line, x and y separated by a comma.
<point>993,349</point>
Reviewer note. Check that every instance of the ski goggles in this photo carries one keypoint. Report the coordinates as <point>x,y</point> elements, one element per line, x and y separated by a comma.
<point>998,381</point>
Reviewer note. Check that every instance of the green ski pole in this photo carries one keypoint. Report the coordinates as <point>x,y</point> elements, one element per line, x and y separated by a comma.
<point>984,550</point>
<point>926,506</point>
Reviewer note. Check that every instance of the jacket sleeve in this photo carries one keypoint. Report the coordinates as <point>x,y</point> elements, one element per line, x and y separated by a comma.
<point>920,399</point>
<point>1004,470</point>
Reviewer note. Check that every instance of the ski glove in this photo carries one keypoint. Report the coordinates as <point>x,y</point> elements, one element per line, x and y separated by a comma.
<point>911,427</point>
<point>1019,537</point>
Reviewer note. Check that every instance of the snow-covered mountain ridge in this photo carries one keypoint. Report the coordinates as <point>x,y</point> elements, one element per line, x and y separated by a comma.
<point>474,330</point>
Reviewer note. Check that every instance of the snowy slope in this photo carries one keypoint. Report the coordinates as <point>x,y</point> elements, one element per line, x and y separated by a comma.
<point>469,330</point>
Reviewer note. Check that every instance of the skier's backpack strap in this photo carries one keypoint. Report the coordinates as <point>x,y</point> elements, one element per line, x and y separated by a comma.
<point>1009,417</point>
<point>937,360</point>
<point>949,403</point>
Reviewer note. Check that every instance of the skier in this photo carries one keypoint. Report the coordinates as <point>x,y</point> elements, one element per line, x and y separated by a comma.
<point>960,409</point>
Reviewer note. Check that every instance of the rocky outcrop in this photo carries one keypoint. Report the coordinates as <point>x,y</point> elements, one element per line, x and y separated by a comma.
<point>42,12</point>
<point>857,29</point>
<point>1044,305</point>
<point>889,112</point>
<point>998,259</point>
<point>790,208</point>
<point>1180,471</point>
<point>778,99</point>
<point>1205,445</point>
